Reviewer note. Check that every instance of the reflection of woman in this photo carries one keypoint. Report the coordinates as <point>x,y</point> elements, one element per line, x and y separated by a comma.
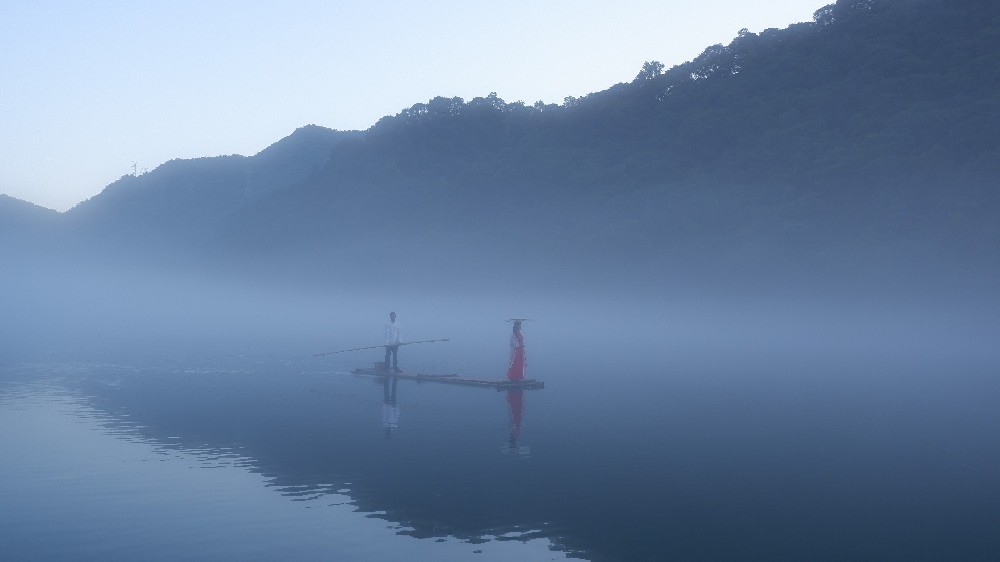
<point>515,405</point>
<point>515,371</point>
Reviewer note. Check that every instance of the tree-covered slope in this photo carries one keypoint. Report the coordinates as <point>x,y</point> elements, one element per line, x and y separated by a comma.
<point>862,141</point>
<point>183,201</point>
<point>866,137</point>
<point>24,227</point>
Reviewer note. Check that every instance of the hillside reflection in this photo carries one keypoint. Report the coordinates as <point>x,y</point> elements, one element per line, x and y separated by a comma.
<point>312,436</point>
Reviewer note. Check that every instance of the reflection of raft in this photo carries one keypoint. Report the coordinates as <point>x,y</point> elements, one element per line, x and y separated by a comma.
<point>526,384</point>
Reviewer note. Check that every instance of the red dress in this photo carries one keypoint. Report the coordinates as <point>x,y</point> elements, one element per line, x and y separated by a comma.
<point>518,363</point>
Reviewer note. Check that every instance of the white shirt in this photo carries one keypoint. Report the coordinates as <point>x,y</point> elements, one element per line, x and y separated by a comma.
<point>393,333</point>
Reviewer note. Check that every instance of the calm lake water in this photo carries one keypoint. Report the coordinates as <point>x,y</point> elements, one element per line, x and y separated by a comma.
<point>710,455</point>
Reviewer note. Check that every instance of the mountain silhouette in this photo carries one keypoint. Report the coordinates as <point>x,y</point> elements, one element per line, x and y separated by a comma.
<point>863,142</point>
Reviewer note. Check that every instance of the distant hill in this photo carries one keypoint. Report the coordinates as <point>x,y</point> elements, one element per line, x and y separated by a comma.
<point>850,149</point>
<point>14,212</point>
<point>182,201</point>
<point>25,227</point>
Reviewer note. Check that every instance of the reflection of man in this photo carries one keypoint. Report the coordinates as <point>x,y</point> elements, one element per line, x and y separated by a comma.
<point>393,337</point>
<point>390,409</point>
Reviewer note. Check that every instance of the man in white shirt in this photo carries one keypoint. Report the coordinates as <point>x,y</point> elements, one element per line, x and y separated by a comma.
<point>393,337</point>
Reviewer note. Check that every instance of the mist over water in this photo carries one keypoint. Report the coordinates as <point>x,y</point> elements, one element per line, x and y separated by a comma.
<point>680,424</point>
<point>60,310</point>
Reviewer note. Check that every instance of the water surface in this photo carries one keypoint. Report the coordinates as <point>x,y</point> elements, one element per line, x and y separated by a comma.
<point>713,454</point>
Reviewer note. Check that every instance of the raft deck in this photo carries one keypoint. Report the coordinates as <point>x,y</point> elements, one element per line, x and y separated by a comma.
<point>526,384</point>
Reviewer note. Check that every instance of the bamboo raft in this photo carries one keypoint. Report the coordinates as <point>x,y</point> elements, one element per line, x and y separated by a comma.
<point>526,384</point>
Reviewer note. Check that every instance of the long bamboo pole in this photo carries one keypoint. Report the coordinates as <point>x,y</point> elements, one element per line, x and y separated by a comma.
<point>378,346</point>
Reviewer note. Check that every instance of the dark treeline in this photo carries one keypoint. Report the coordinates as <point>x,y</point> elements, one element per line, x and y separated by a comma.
<point>858,150</point>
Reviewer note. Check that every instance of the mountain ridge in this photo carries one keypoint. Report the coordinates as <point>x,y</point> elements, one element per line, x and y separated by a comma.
<point>182,200</point>
<point>864,137</point>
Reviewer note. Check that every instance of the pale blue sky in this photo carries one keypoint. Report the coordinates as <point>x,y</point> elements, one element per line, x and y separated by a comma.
<point>87,88</point>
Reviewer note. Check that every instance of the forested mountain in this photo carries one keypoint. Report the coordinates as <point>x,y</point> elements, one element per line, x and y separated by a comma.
<point>846,149</point>
<point>182,201</point>
<point>25,228</point>
<point>863,139</point>
<point>14,213</point>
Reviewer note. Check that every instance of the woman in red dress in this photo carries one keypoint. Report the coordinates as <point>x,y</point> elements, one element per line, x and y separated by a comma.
<point>518,363</point>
